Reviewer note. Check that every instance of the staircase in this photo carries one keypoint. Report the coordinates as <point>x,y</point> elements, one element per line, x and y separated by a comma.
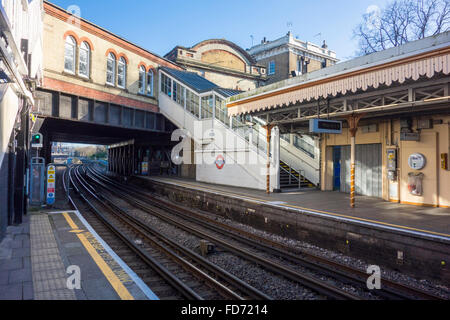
<point>291,178</point>
<point>202,112</point>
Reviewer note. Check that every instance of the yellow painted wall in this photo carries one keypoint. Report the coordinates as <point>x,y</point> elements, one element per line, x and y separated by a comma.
<point>444,175</point>
<point>433,142</point>
<point>428,147</point>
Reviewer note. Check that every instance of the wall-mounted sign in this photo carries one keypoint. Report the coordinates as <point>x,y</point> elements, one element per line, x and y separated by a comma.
<point>325,126</point>
<point>220,162</point>
<point>417,161</point>
<point>444,161</point>
<point>51,184</point>
<point>145,168</point>
<point>392,159</point>
<point>409,136</point>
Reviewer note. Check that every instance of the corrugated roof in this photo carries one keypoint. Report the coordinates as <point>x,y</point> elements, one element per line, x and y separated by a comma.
<point>192,80</point>
<point>227,92</point>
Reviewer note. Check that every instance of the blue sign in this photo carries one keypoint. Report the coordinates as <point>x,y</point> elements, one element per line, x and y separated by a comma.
<point>51,184</point>
<point>325,126</point>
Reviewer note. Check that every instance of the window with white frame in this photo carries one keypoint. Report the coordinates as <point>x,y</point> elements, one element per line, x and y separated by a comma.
<point>122,73</point>
<point>70,55</point>
<point>271,67</point>
<point>111,69</point>
<point>142,74</point>
<point>85,53</point>
<point>150,83</point>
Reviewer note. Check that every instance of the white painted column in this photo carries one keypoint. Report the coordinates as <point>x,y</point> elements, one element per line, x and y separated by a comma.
<point>200,107</point>
<point>276,158</point>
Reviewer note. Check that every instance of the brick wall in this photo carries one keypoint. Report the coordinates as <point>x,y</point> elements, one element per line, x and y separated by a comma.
<point>71,88</point>
<point>56,30</point>
<point>224,59</point>
<point>282,67</point>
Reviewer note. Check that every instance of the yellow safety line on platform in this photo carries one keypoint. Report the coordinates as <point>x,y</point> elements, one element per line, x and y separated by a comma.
<point>123,292</point>
<point>313,210</point>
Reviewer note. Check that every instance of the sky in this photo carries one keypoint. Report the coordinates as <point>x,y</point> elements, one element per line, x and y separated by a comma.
<point>159,26</point>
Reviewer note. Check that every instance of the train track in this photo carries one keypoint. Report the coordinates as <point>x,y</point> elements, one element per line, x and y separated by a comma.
<point>345,274</point>
<point>323,288</point>
<point>189,275</point>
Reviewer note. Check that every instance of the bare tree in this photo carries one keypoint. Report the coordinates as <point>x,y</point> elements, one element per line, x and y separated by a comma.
<point>401,21</point>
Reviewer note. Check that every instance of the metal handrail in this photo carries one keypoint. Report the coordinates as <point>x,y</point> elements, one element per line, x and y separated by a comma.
<point>301,173</point>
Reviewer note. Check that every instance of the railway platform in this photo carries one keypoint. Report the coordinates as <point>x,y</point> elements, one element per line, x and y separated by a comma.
<point>426,220</point>
<point>409,239</point>
<point>58,256</point>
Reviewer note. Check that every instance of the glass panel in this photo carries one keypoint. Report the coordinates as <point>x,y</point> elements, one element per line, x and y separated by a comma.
<point>110,71</point>
<point>69,57</point>
<point>286,137</point>
<point>222,111</point>
<point>84,62</point>
<point>166,85</point>
<point>141,82</point>
<point>192,103</point>
<point>176,88</point>
<point>121,75</point>
<point>150,83</point>
<point>304,146</point>
<point>207,107</point>
<point>178,93</point>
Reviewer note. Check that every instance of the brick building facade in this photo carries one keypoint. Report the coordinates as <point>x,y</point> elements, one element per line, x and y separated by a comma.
<point>222,62</point>
<point>85,60</point>
<point>287,57</point>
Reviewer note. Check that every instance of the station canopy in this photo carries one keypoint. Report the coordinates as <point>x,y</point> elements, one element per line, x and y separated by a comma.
<point>324,93</point>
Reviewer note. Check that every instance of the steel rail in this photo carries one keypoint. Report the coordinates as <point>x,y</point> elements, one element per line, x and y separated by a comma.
<point>318,286</point>
<point>182,288</point>
<point>390,289</point>
<point>218,272</point>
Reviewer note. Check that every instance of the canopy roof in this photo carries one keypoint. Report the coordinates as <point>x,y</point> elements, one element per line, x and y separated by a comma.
<point>422,58</point>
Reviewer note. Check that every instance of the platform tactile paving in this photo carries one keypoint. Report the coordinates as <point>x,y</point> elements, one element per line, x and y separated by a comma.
<point>49,275</point>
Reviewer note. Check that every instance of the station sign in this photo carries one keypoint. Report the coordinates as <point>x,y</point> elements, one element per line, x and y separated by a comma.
<point>51,184</point>
<point>145,168</point>
<point>325,126</point>
<point>220,162</point>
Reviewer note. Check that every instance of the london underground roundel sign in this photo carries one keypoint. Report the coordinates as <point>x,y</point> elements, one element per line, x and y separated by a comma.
<point>220,162</point>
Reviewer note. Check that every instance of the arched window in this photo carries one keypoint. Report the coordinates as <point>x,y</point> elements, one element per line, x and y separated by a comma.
<point>122,73</point>
<point>70,54</point>
<point>85,55</point>
<point>142,79</point>
<point>111,70</point>
<point>150,83</point>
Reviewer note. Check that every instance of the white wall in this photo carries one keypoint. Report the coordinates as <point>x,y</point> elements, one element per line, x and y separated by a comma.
<point>25,18</point>
<point>245,166</point>
<point>9,106</point>
<point>301,161</point>
<point>250,174</point>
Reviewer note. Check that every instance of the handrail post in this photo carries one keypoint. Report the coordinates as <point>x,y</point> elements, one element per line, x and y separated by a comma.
<point>299,180</point>
<point>290,175</point>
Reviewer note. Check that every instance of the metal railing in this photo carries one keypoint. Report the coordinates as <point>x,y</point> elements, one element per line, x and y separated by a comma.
<point>292,177</point>
<point>304,146</point>
<point>201,108</point>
